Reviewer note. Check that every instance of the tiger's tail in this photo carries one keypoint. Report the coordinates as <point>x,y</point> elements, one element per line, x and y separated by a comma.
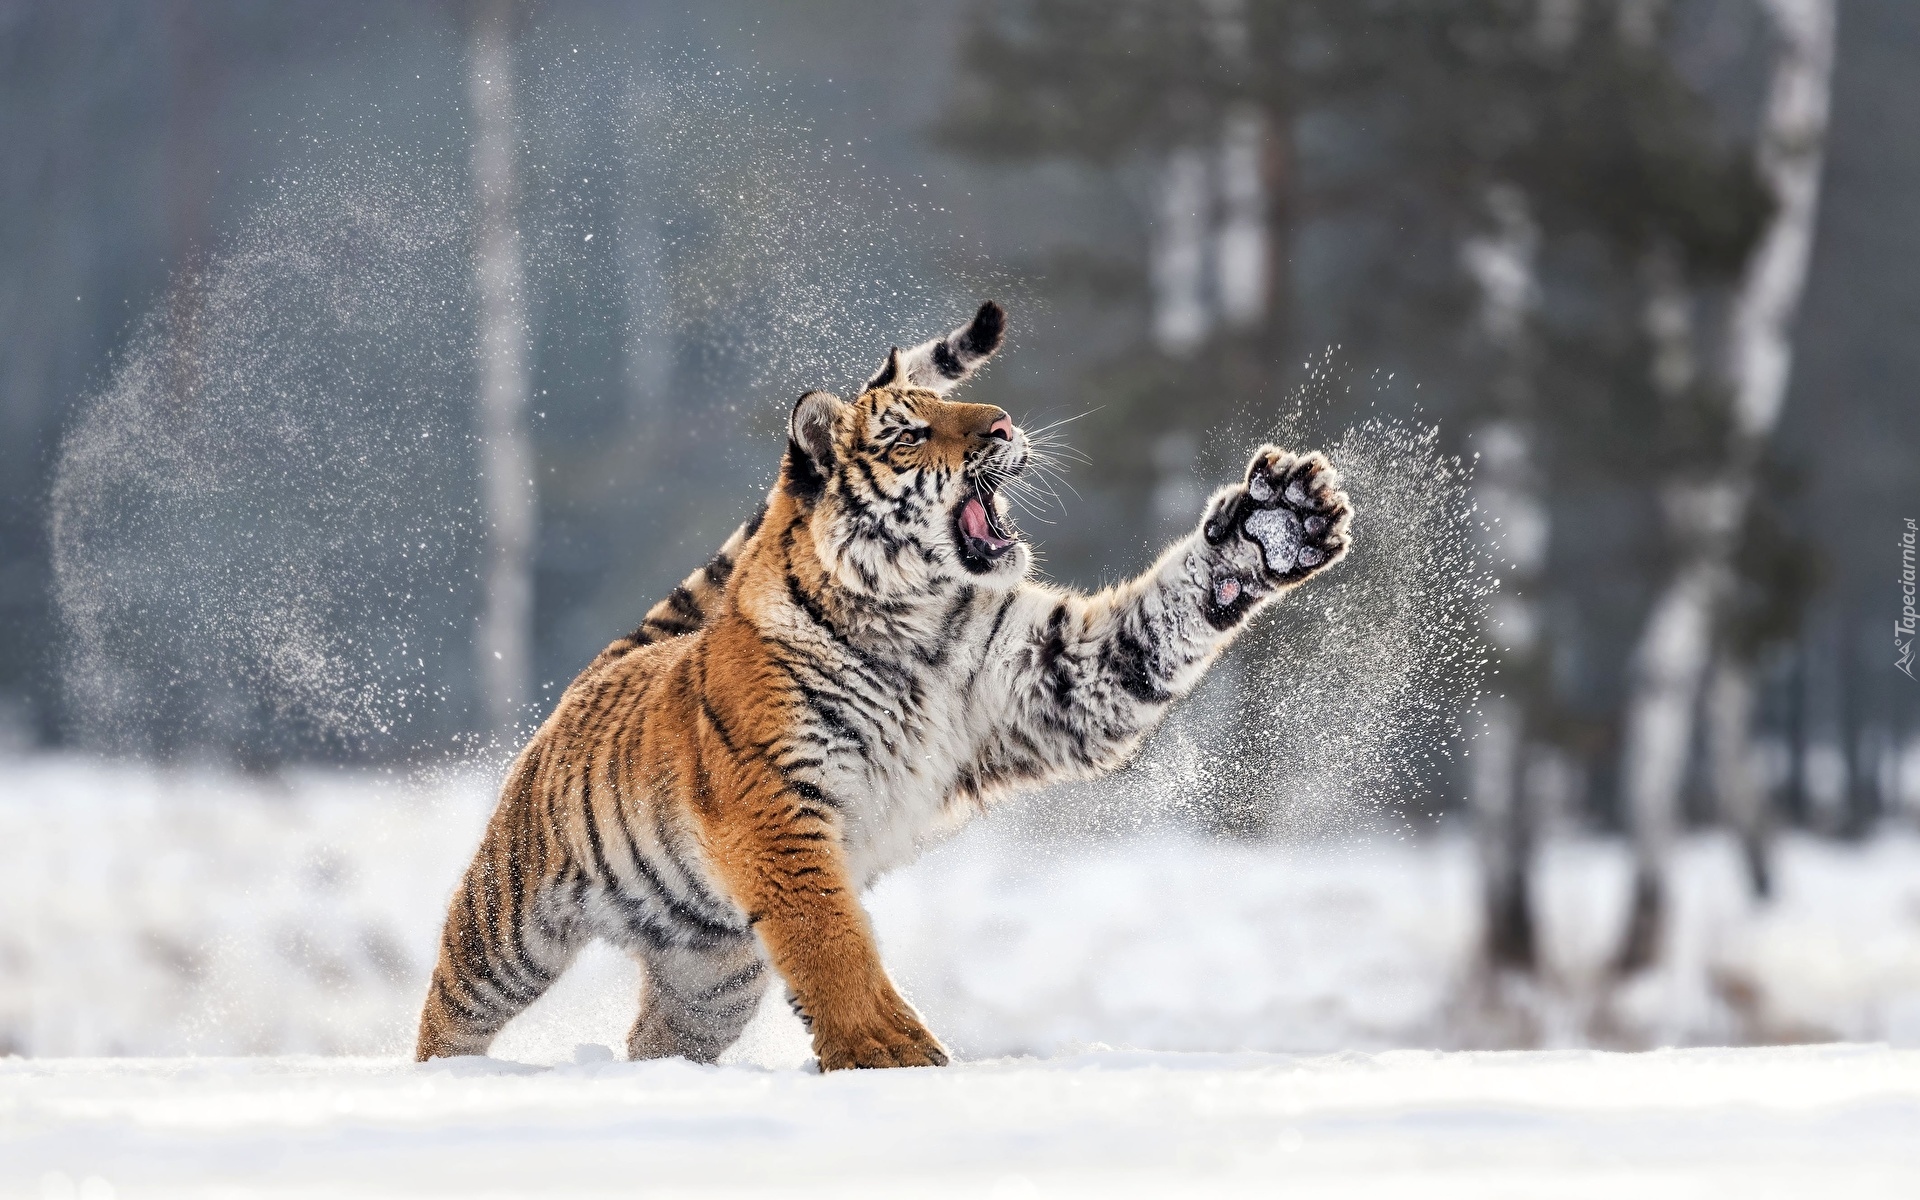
<point>688,606</point>
<point>943,363</point>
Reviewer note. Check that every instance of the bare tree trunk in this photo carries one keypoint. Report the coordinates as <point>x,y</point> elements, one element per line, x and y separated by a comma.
<point>194,86</point>
<point>1671,657</point>
<point>165,703</point>
<point>1240,256</point>
<point>1507,489</point>
<point>1666,669</point>
<point>1792,146</point>
<point>647,344</point>
<point>1739,792</point>
<point>1504,834</point>
<point>1178,268</point>
<point>507,490</point>
<point>1277,181</point>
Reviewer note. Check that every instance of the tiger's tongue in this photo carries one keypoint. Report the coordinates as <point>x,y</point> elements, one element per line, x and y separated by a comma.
<point>974,523</point>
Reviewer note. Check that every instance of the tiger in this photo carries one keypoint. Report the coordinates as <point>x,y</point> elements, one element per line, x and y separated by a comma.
<point>866,664</point>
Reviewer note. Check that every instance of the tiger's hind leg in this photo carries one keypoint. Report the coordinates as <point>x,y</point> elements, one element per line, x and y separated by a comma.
<point>511,930</point>
<point>694,1003</point>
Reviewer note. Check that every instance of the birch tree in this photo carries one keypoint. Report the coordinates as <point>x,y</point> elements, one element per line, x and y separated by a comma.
<point>1674,650</point>
<point>1210,265</point>
<point>1212,262</point>
<point>1503,265</point>
<point>508,497</point>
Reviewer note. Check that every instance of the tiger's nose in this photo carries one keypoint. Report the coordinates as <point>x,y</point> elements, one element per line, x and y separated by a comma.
<point>1002,428</point>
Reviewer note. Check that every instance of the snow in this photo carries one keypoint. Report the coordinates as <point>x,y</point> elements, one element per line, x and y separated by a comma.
<point>1284,999</point>
<point>200,912</point>
<point>1803,1121</point>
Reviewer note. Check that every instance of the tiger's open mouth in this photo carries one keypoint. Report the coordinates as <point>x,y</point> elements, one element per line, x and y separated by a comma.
<point>982,533</point>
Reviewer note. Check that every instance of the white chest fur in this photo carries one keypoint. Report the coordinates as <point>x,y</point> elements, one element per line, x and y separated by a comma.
<point>895,799</point>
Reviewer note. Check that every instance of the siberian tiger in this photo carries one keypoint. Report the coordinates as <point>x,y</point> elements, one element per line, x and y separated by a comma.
<point>863,666</point>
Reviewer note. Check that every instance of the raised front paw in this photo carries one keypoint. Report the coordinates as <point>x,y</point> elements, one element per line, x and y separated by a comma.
<point>892,1037</point>
<point>1292,508</point>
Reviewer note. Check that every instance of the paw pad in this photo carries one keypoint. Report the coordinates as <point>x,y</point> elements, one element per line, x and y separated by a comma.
<point>1279,533</point>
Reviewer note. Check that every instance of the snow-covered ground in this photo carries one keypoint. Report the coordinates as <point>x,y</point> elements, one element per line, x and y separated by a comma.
<point>191,912</point>
<point>1757,1123</point>
<point>1270,999</point>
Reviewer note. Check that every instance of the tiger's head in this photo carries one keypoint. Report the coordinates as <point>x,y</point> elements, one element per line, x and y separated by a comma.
<point>901,485</point>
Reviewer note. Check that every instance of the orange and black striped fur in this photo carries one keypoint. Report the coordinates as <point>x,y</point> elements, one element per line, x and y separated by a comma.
<point>862,667</point>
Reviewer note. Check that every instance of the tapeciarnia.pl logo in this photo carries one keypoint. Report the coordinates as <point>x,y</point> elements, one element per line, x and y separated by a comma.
<point>1904,627</point>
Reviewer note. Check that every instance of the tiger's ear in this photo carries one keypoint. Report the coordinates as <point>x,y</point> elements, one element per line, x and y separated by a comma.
<point>810,457</point>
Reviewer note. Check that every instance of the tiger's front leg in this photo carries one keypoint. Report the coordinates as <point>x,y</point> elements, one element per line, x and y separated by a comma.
<point>781,857</point>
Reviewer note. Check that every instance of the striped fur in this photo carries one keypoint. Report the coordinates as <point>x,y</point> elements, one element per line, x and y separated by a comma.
<point>863,667</point>
<point>686,607</point>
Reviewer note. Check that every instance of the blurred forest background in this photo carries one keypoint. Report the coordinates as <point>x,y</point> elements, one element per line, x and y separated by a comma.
<point>1649,265</point>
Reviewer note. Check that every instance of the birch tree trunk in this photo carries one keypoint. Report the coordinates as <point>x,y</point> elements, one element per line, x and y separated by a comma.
<point>1507,490</point>
<point>641,247</point>
<point>1218,254</point>
<point>1241,256</point>
<point>506,458</point>
<point>1177,270</point>
<point>1739,793</point>
<point>1674,649</point>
